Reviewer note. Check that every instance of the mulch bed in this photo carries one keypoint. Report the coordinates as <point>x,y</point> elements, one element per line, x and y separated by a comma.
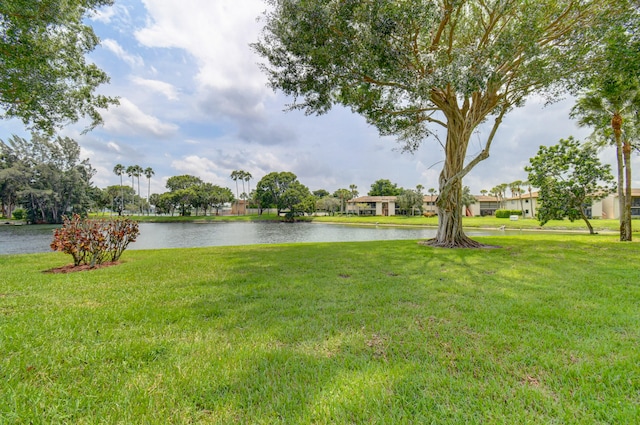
<point>70,268</point>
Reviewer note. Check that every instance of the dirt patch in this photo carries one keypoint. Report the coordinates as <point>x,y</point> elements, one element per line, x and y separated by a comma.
<point>70,268</point>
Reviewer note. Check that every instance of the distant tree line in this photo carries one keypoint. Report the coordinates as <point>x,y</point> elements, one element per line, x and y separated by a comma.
<point>45,176</point>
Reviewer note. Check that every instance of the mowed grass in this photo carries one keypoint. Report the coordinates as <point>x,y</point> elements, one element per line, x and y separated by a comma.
<point>544,330</point>
<point>489,222</point>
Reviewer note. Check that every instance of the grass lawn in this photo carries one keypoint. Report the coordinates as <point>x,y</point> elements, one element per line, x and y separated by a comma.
<point>544,330</point>
<point>481,222</point>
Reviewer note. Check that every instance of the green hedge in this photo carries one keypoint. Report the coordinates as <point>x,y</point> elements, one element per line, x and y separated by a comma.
<point>507,213</point>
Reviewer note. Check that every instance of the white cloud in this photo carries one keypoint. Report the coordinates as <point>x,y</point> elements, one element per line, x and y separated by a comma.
<point>166,89</point>
<point>114,146</point>
<point>108,14</point>
<point>216,33</point>
<point>114,47</point>
<point>201,167</point>
<point>128,119</point>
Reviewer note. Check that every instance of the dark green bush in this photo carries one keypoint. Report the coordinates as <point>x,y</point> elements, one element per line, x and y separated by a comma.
<point>19,214</point>
<point>507,213</point>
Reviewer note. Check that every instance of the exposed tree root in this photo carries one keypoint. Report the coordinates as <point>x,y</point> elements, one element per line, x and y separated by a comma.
<point>458,243</point>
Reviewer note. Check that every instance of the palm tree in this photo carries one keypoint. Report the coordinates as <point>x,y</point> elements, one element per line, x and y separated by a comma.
<point>148,173</point>
<point>467,199</point>
<point>354,190</point>
<point>528,184</point>
<point>137,172</point>
<point>235,175</point>
<point>119,170</point>
<point>247,177</point>
<point>241,178</point>
<point>131,172</point>
<point>612,118</point>
<point>516,189</point>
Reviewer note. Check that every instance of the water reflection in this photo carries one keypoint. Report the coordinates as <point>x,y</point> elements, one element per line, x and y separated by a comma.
<point>33,239</point>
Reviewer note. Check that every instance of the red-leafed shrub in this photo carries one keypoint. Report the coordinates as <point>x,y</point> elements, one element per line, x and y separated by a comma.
<point>93,242</point>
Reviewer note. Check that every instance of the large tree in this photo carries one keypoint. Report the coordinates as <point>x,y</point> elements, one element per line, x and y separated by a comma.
<point>570,178</point>
<point>412,67</point>
<point>284,191</point>
<point>45,79</point>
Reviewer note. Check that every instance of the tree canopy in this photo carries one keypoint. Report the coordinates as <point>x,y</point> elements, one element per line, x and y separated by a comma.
<point>45,176</point>
<point>45,79</point>
<point>570,177</point>
<point>413,68</point>
<point>384,187</point>
<point>283,191</point>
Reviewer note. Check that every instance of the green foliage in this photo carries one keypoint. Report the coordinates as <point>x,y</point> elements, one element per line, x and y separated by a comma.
<point>19,214</point>
<point>320,193</point>
<point>384,187</point>
<point>283,191</point>
<point>507,213</point>
<point>410,201</point>
<point>92,242</point>
<point>45,176</point>
<point>570,177</point>
<point>45,79</point>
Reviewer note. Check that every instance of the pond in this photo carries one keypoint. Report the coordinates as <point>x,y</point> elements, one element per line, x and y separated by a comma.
<point>34,239</point>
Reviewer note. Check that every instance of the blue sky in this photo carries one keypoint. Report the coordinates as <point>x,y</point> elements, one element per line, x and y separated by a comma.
<point>193,101</point>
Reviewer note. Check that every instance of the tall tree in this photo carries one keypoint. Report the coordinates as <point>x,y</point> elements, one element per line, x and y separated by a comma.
<point>45,79</point>
<point>354,191</point>
<point>610,105</point>
<point>247,177</point>
<point>131,172</point>
<point>119,170</point>
<point>516,190</point>
<point>411,67</point>
<point>570,178</point>
<point>235,176</point>
<point>148,173</point>
<point>137,172</point>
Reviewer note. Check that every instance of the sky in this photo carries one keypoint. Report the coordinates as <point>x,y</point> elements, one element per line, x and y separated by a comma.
<point>194,101</point>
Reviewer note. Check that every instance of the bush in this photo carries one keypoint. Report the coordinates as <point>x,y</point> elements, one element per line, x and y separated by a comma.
<point>92,242</point>
<point>507,213</point>
<point>19,214</point>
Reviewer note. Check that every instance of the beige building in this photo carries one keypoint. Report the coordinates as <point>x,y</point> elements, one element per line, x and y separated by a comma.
<point>385,205</point>
<point>487,205</point>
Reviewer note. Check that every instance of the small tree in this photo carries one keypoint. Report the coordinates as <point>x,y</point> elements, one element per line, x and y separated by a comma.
<point>570,177</point>
<point>410,200</point>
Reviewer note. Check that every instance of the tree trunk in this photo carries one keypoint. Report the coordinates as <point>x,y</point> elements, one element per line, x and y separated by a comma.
<point>586,220</point>
<point>623,154</point>
<point>625,230</point>
<point>450,209</point>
